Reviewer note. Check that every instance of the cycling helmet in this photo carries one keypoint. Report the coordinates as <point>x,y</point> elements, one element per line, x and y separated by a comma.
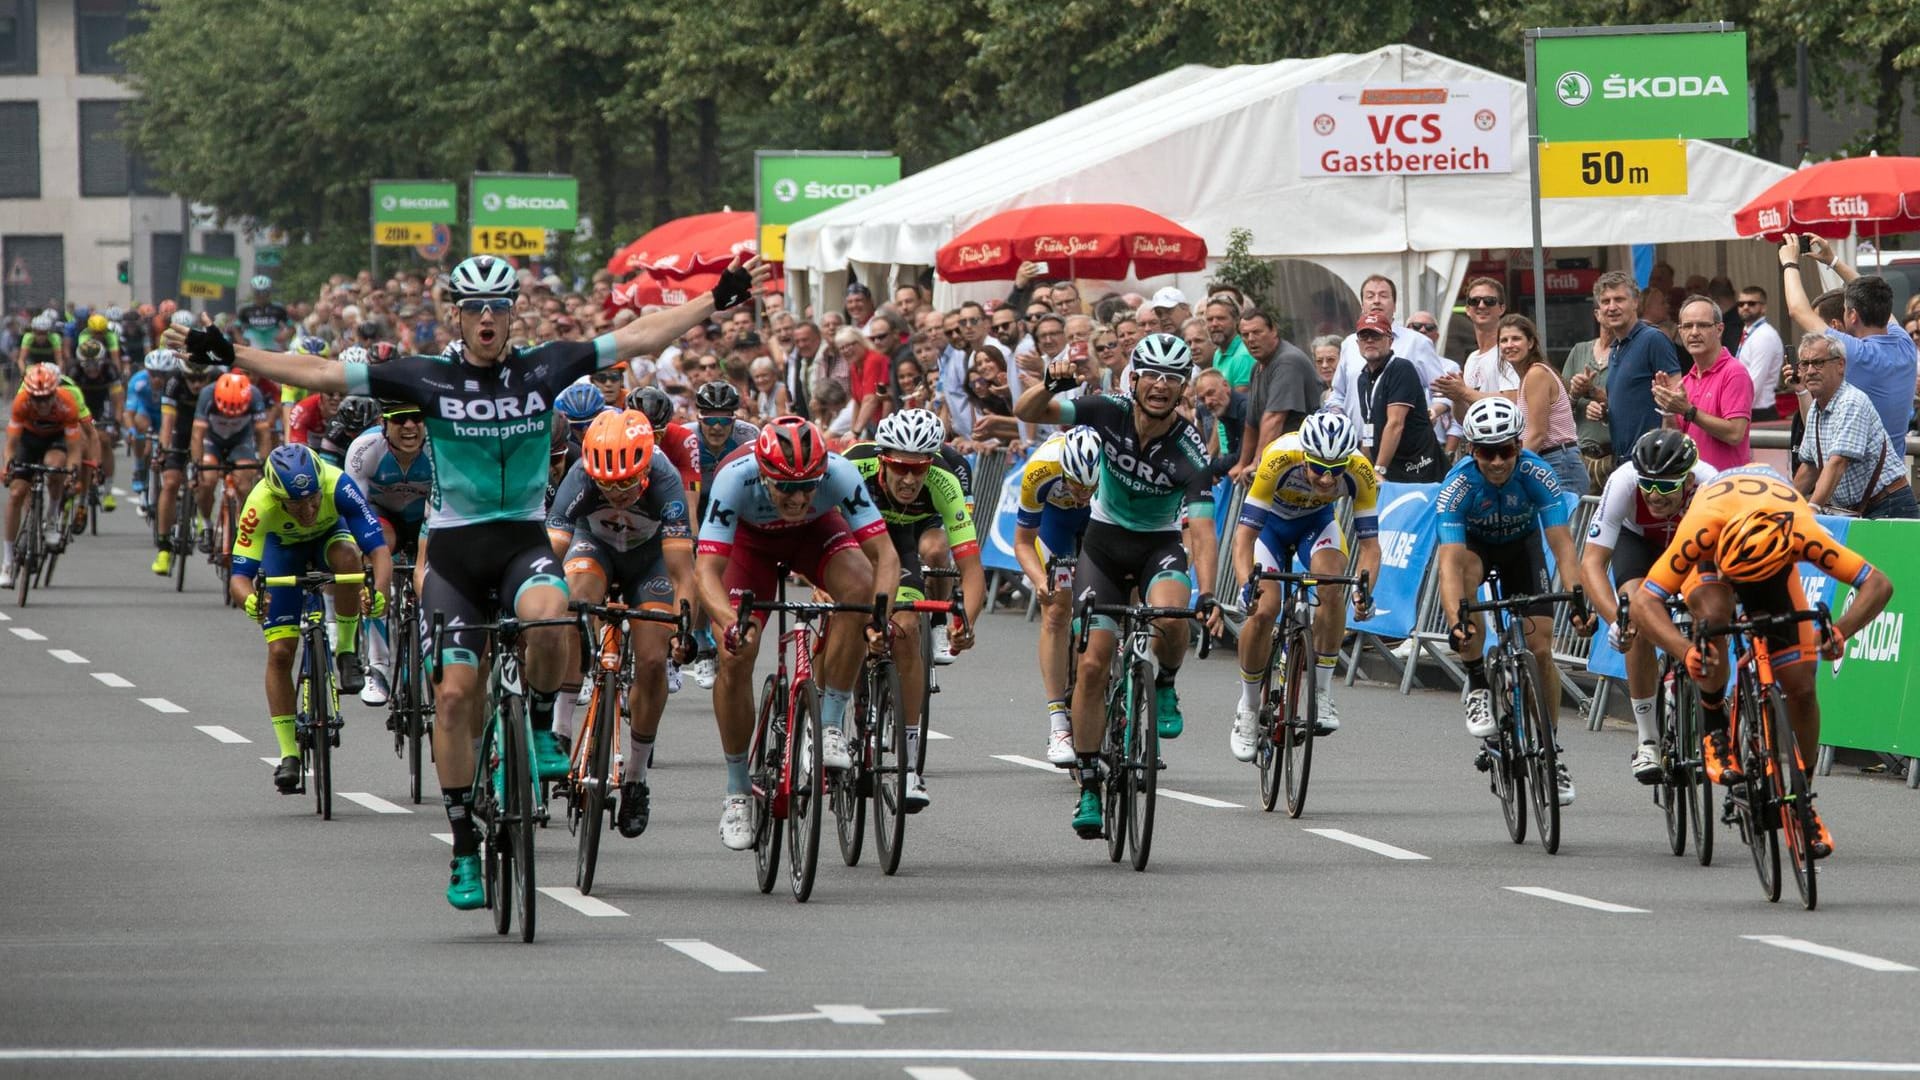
<point>617,447</point>
<point>656,405</point>
<point>182,319</point>
<point>161,361</point>
<point>1756,546</point>
<point>580,403</point>
<point>80,312</point>
<point>1329,437</point>
<point>353,354</point>
<point>355,414</point>
<point>262,283</point>
<point>455,350</point>
<point>1492,420</point>
<point>1163,353</point>
<point>368,329</point>
<point>91,349</point>
<point>308,345</point>
<point>1664,453</point>
<point>42,324</point>
<point>114,314</point>
<point>167,308</point>
<point>232,394</point>
<point>292,472</point>
<point>718,396</point>
<point>483,276</point>
<point>97,324</point>
<point>1080,456</point>
<point>41,380</point>
<point>790,448</point>
<point>382,351</point>
<point>910,431</point>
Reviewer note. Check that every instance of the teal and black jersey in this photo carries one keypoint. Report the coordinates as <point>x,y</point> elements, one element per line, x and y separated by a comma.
<point>488,428</point>
<point>1142,488</point>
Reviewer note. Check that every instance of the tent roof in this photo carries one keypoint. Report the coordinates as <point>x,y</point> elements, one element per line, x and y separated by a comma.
<point>1214,148</point>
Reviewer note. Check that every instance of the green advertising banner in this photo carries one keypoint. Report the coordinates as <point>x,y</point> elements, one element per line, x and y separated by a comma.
<point>424,202</point>
<point>1874,702</point>
<point>525,202</point>
<point>1642,86</point>
<point>211,270</point>
<point>792,185</point>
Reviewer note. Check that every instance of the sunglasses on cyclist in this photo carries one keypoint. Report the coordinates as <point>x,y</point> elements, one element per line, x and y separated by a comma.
<point>796,487</point>
<point>1654,486</point>
<point>621,487</point>
<point>910,468</point>
<point>1321,468</point>
<point>405,418</point>
<point>496,304</point>
<point>1496,451</point>
<point>718,421</point>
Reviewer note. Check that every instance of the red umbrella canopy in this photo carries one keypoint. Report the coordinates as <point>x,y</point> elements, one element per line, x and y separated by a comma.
<point>700,244</point>
<point>1103,240</point>
<point>650,291</point>
<point>1829,199</point>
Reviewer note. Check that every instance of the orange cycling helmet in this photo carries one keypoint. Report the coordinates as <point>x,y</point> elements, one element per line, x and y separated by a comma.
<point>791,448</point>
<point>618,447</point>
<point>1756,546</point>
<point>233,393</point>
<point>41,380</point>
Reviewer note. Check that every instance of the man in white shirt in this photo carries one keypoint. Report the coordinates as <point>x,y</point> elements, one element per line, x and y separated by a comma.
<point>1379,296</point>
<point>1761,351</point>
<point>1485,374</point>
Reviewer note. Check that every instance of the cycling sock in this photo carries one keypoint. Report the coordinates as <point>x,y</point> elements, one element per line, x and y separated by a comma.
<point>913,747</point>
<point>738,782</point>
<point>1643,719</point>
<point>833,708</point>
<point>1476,674</point>
<point>6,551</point>
<point>347,632</point>
<point>459,804</point>
<point>1058,716</point>
<point>563,707</point>
<point>1713,712</point>
<point>1165,678</point>
<point>639,749</point>
<point>540,709</point>
<point>1323,672</point>
<point>1250,688</point>
<point>377,644</point>
<point>1089,772</point>
<point>283,730</point>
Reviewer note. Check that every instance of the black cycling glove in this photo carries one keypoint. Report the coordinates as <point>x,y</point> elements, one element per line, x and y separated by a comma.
<point>204,342</point>
<point>734,288</point>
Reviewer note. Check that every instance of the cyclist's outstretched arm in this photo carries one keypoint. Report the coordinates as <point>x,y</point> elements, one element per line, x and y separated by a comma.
<point>316,373</point>
<point>652,333</point>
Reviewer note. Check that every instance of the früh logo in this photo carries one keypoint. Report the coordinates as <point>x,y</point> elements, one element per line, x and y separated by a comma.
<point>981,254</point>
<point>1158,247</point>
<point>1770,219</point>
<point>1065,247</point>
<point>1848,206</point>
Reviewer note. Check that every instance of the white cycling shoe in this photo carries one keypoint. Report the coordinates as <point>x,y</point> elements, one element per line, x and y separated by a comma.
<point>736,823</point>
<point>1246,729</point>
<point>1480,721</point>
<point>833,749</point>
<point>1060,749</point>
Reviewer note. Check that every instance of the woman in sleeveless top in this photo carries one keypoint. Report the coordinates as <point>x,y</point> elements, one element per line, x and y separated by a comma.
<point>1550,431</point>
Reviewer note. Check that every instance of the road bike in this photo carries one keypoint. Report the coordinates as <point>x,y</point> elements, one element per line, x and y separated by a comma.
<point>594,779</point>
<point>1772,806</point>
<point>30,543</point>
<point>507,798</point>
<point>1683,793</point>
<point>1283,746</point>
<point>227,503</point>
<point>316,719</point>
<point>1130,744</point>
<point>1524,753</point>
<point>180,534</point>
<point>410,693</point>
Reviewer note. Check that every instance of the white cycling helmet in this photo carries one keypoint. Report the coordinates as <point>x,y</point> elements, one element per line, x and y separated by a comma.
<point>353,354</point>
<point>1080,456</point>
<point>482,277</point>
<point>911,431</point>
<point>183,319</point>
<point>1329,437</point>
<point>262,283</point>
<point>43,324</point>
<point>114,314</point>
<point>161,362</point>
<point>1163,352</point>
<point>1492,420</point>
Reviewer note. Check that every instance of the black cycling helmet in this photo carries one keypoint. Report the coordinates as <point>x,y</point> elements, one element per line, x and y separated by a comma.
<point>1665,453</point>
<point>355,415</point>
<point>656,405</point>
<point>718,396</point>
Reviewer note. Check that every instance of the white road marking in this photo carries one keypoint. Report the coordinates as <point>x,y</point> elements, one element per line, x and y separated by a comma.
<point>713,956</point>
<point>374,803</point>
<point>25,634</point>
<point>67,656</point>
<point>110,679</point>
<point>936,736</point>
<point>839,1014</point>
<point>937,1072</point>
<point>444,837</point>
<point>1576,900</point>
<point>4,617</point>
<point>1031,763</point>
<point>585,905</point>
<point>1845,956</point>
<point>1199,800</point>
<point>223,734</point>
<point>160,704</point>
<point>1366,844</point>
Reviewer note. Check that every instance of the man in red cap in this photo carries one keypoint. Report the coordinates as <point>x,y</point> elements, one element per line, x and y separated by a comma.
<point>1393,404</point>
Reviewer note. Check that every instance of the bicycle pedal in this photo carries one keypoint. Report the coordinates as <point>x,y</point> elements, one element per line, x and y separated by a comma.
<point>1483,761</point>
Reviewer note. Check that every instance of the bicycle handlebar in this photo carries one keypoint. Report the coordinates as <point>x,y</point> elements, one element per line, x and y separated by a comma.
<point>681,620</point>
<point>1577,597</point>
<point>1142,612</point>
<point>1819,614</point>
<point>31,468</point>
<point>804,609</point>
<point>1362,584</point>
<point>509,627</point>
<point>314,579</point>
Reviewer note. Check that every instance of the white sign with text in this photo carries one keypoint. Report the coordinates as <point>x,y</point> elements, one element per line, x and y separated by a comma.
<point>1364,129</point>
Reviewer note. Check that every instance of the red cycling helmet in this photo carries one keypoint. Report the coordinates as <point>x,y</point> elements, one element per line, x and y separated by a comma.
<point>791,448</point>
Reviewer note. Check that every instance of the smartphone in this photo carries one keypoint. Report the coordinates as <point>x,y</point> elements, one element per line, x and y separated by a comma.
<point>1041,267</point>
<point>1078,352</point>
<point>1806,243</point>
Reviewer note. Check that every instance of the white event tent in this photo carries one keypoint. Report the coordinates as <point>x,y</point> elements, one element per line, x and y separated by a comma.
<point>1216,148</point>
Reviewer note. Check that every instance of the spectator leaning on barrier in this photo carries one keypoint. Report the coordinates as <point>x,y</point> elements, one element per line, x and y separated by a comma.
<point>867,380</point>
<point>1760,351</point>
<point>1639,351</point>
<point>1396,424</point>
<point>1284,390</point>
<point>1880,356</point>
<point>1546,413</point>
<point>1713,401</point>
<point>1221,416</point>
<point>1847,464</point>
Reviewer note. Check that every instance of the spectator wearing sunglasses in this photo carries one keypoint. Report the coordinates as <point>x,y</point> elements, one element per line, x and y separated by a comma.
<point>1423,322</point>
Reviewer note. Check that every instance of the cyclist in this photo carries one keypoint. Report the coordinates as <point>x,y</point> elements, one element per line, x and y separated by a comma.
<point>1152,462</point>
<point>620,524</point>
<point>263,321</point>
<point>356,415</point>
<point>488,424</point>
<point>578,405</point>
<point>1738,543</point>
<point>612,384</point>
<point>101,330</point>
<point>307,412</point>
<point>229,428</point>
<point>43,428</point>
<point>920,485</point>
<point>670,436</point>
<point>97,374</point>
<point>1493,508</point>
<point>790,502</point>
<point>43,344</point>
<point>142,414</point>
<point>721,432</point>
<point>391,467</point>
<point>1639,512</point>
<point>305,513</point>
<point>179,401</point>
<point>1289,512</point>
<point>1056,484</point>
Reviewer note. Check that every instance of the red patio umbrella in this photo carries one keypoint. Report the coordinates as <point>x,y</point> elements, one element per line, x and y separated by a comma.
<point>1834,198</point>
<point>700,244</point>
<point>650,291</point>
<point>1102,240</point>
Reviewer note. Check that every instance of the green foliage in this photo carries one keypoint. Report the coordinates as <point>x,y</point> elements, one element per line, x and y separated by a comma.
<point>1252,276</point>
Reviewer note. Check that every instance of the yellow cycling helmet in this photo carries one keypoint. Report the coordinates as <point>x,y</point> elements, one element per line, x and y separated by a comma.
<point>97,324</point>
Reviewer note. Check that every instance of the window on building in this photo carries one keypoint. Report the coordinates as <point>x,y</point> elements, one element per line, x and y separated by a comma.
<point>164,281</point>
<point>103,153</point>
<point>36,271</point>
<point>98,26</point>
<point>19,150</point>
<point>19,51</point>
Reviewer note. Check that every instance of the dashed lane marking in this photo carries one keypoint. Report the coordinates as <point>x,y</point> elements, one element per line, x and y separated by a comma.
<point>936,736</point>
<point>66,656</point>
<point>711,955</point>
<point>160,704</point>
<point>374,803</point>
<point>937,1072</point>
<point>222,734</point>
<point>115,681</point>
<point>1199,800</point>
<point>585,905</point>
<point>1845,956</point>
<point>1369,844</point>
<point>1576,900</point>
<point>25,634</point>
<point>1031,763</point>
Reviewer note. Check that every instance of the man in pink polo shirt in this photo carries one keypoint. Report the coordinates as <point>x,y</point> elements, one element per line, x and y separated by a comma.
<point>1713,401</point>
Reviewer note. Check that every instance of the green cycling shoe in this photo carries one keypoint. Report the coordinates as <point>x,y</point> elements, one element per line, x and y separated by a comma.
<point>1087,818</point>
<point>549,761</point>
<point>1166,708</point>
<point>465,891</point>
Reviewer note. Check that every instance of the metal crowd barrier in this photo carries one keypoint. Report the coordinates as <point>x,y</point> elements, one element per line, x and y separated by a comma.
<point>989,474</point>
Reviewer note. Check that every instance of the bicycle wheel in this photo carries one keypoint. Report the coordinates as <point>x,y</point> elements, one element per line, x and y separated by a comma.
<point>763,764</point>
<point>182,536</point>
<point>927,684</point>
<point>806,799</point>
<point>25,543</point>
<point>1117,797</point>
<point>1758,805</point>
<point>602,719</point>
<point>1508,771</point>
<point>490,791</point>
<point>1302,696</point>
<point>888,727</point>
<point>319,726</point>
<point>1143,752</point>
<point>1271,730</point>
<point>1537,744</point>
<point>1797,830</point>
<point>406,680</point>
<point>847,793</point>
<point>1675,790</point>
<point>522,801</point>
<point>1699,788</point>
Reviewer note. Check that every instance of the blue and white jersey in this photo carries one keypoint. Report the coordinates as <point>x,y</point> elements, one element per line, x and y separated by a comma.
<point>143,397</point>
<point>1471,507</point>
<point>398,494</point>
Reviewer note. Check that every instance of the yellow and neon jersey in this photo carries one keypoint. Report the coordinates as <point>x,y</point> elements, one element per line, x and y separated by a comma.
<point>343,507</point>
<point>1043,483</point>
<point>1283,487</point>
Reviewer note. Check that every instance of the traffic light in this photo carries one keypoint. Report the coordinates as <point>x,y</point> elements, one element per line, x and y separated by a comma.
<point>124,276</point>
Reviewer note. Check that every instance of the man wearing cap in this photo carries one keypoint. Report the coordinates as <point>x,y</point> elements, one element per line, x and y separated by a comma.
<point>1393,405</point>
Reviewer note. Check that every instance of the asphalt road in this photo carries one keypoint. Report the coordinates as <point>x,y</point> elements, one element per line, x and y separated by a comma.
<point>166,913</point>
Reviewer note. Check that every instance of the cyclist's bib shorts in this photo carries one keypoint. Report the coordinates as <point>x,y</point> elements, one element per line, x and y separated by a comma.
<point>469,563</point>
<point>1115,561</point>
<point>807,548</point>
